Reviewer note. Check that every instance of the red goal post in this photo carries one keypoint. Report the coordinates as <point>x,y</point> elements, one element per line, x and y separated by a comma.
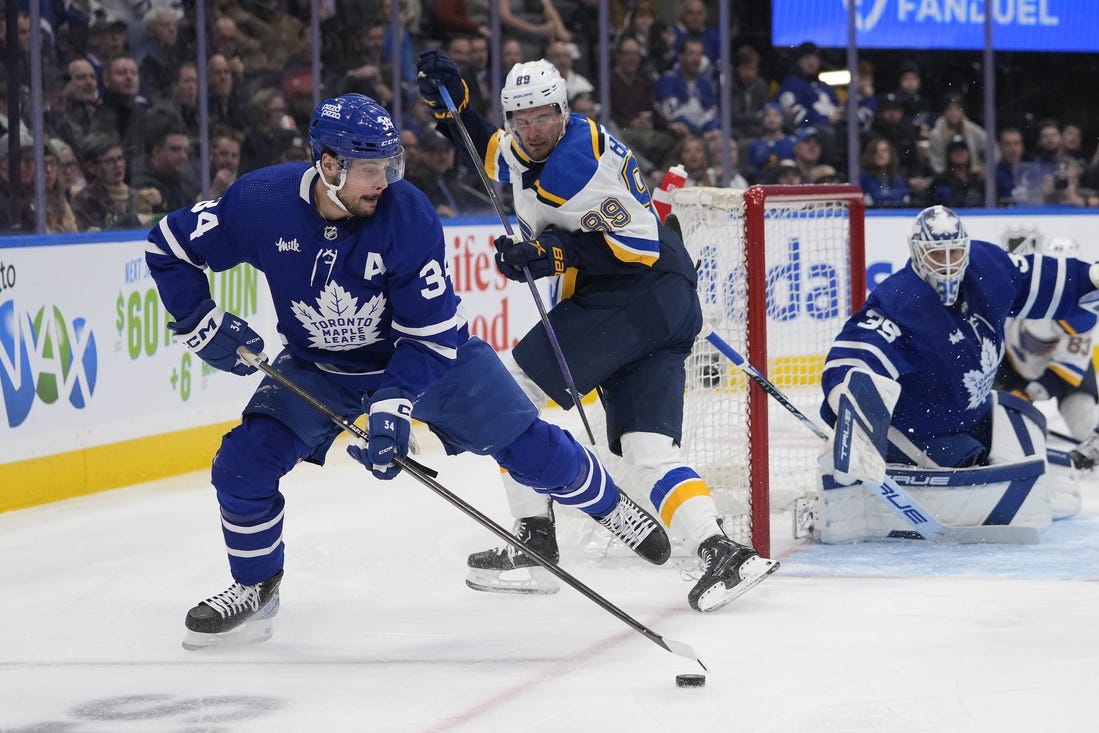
<point>780,270</point>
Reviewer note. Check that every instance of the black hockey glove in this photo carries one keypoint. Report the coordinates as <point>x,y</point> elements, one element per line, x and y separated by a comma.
<point>214,336</point>
<point>546,256</point>
<point>389,423</point>
<point>435,68</point>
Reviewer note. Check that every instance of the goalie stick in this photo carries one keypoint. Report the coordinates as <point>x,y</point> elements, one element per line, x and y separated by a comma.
<point>892,494</point>
<point>467,141</point>
<point>426,476</point>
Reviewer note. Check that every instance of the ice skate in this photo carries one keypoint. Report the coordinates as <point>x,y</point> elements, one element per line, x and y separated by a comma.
<point>729,570</point>
<point>638,530</point>
<point>241,614</point>
<point>1085,455</point>
<point>509,570</point>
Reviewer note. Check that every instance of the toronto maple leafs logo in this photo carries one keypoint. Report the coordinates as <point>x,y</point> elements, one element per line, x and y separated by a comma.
<point>338,323</point>
<point>978,382</point>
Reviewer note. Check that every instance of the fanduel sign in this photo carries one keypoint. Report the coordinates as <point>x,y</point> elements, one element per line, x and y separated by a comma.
<point>1018,25</point>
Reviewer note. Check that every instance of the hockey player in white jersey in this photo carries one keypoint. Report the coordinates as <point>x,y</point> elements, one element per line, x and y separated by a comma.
<point>1052,359</point>
<point>626,321</point>
<point>356,264</point>
<point>912,371</point>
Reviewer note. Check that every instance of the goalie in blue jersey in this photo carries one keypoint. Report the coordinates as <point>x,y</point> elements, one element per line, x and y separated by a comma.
<point>356,264</point>
<point>626,321</point>
<point>912,373</point>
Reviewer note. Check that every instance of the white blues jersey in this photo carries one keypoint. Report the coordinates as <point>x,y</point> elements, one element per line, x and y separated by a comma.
<point>1063,347</point>
<point>367,296</point>
<point>945,358</point>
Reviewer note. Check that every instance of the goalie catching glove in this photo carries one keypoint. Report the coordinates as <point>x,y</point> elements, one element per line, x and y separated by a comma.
<point>214,336</point>
<point>861,439</point>
<point>551,254</point>
<point>389,426</point>
<point>434,69</point>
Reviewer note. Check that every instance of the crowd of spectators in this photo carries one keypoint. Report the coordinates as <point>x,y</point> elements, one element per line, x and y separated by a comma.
<point>121,98</point>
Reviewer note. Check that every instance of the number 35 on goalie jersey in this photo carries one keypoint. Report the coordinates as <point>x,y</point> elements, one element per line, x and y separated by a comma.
<point>347,294</point>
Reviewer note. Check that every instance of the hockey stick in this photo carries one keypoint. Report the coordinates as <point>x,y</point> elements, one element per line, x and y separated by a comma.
<point>426,476</point>
<point>499,206</point>
<point>892,494</point>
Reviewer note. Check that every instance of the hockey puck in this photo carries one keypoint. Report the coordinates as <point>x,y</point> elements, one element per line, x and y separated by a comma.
<point>690,680</point>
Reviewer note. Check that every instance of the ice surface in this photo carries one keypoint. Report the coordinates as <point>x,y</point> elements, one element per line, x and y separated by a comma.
<point>378,632</point>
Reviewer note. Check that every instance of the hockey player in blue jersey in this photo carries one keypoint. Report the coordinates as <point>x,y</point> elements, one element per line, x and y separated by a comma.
<point>626,321</point>
<point>913,369</point>
<point>356,264</point>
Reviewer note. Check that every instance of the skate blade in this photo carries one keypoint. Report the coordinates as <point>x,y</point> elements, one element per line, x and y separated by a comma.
<point>258,628</point>
<point>752,573</point>
<point>527,581</point>
<point>250,632</point>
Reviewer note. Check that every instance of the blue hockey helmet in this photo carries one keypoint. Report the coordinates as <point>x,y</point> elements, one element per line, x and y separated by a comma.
<point>354,126</point>
<point>939,246</point>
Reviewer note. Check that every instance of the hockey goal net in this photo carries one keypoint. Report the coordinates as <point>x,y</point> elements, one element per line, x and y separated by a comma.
<point>780,270</point>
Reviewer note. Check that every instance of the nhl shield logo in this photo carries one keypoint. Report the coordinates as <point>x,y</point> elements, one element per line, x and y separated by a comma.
<point>330,233</point>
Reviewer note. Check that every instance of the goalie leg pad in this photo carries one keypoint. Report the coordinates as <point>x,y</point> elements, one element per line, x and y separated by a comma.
<point>861,439</point>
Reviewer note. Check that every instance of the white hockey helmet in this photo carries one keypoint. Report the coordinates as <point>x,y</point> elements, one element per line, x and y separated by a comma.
<point>1060,247</point>
<point>533,84</point>
<point>939,246</point>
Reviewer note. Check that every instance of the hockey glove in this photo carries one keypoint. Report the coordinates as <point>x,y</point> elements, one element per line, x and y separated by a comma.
<point>389,425</point>
<point>546,256</point>
<point>861,439</point>
<point>436,68</point>
<point>214,336</point>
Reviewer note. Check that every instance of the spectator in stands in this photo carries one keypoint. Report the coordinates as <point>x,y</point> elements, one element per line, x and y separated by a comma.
<point>511,53</point>
<point>1007,168</point>
<point>583,23</point>
<point>225,161</point>
<point>477,77</point>
<point>226,107</point>
<point>890,123</point>
<point>267,110</point>
<point>962,184</point>
<point>882,182</point>
<point>281,37</point>
<point>560,54</point>
<point>633,107</point>
<point>1072,143</point>
<point>106,41</point>
<point>918,109</point>
<point>1048,150</point>
<point>437,176</point>
<point>25,219</point>
<point>400,52</point>
<point>59,214</point>
<point>182,104</point>
<point>657,40</point>
<point>81,99</point>
<point>160,53</point>
<point>773,144</point>
<point>167,168</point>
<point>807,150</point>
<point>953,123</point>
<point>533,24</point>
<point>749,92</point>
<point>227,40</point>
<point>68,167</point>
<point>738,176</point>
<point>372,75</point>
<point>291,147</point>
<point>809,102</point>
<point>694,23</point>
<point>693,153</point>
<point>107,202</point>
<point>823,174</point>
<point>786,173</point>
<point>686,99</point>
<point>123,111</point>
<point>867,105</point>
<point>1065,189</point>
<point>460,16</point>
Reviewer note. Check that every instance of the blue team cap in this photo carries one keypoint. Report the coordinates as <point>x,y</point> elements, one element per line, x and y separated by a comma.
<point>807,132</point>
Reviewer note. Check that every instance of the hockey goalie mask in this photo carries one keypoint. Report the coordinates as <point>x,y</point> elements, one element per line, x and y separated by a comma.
<point>939,247</point>
<point>355,127</point>
<point>536,106</point>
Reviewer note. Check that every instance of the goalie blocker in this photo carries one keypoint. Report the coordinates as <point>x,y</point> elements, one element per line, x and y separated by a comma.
<point>1018,488</point>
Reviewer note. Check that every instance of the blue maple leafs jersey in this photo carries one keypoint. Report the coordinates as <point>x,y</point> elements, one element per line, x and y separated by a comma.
<point>945,358</point>
<point>365,296</point>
